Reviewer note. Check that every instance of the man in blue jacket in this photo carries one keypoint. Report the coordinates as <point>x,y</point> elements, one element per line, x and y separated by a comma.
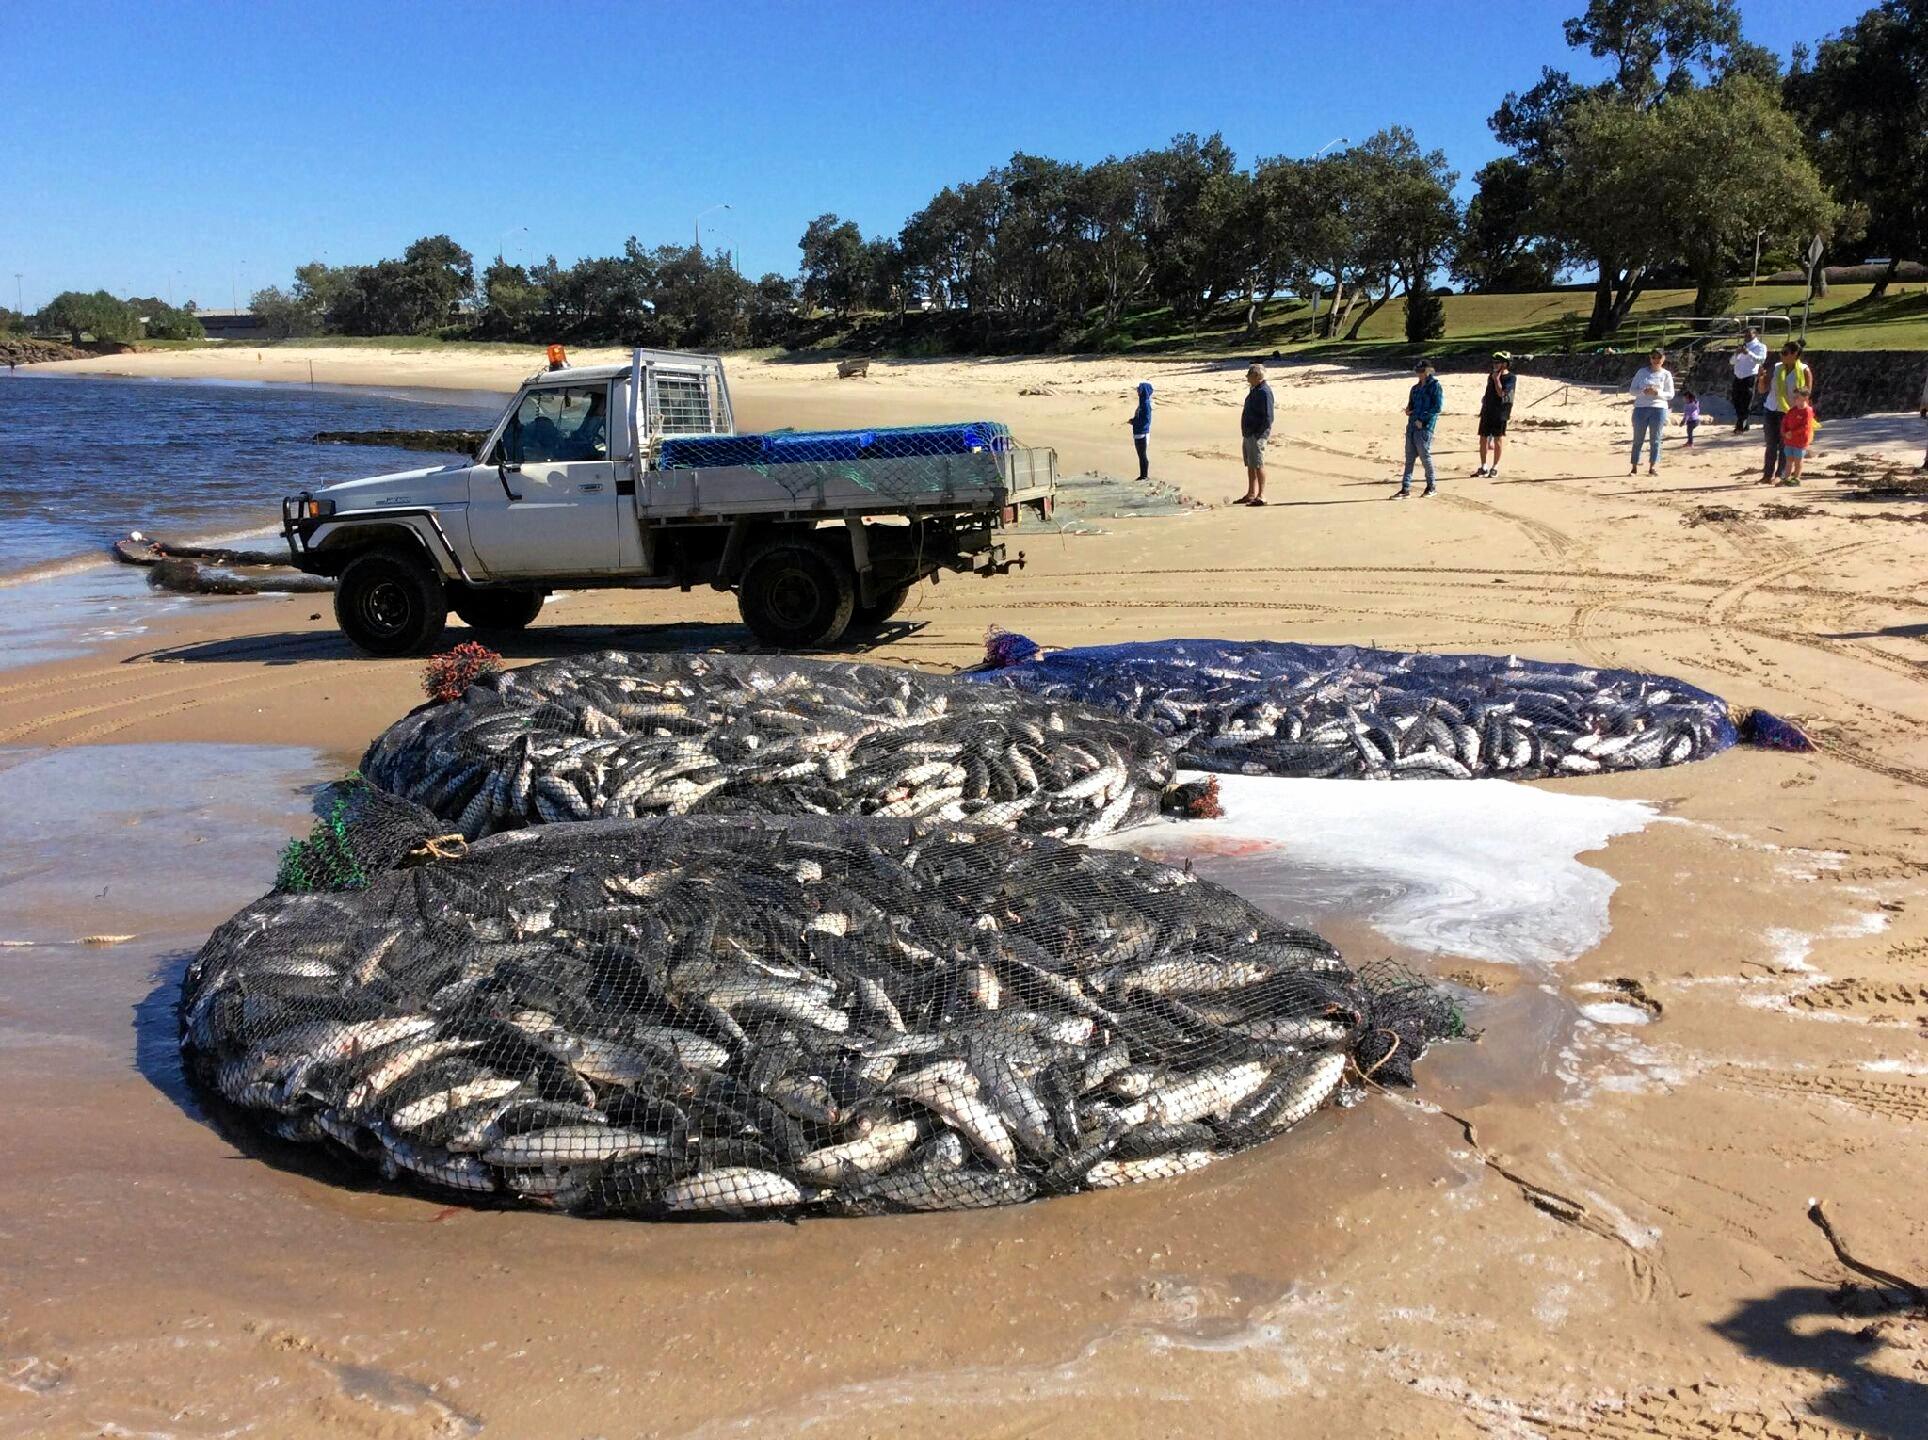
<point>1141,429</point>
<point>1255,428</point>
<point>1423,404</point>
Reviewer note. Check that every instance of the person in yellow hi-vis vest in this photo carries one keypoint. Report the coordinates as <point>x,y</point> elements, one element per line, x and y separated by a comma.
<point>1777,384</point>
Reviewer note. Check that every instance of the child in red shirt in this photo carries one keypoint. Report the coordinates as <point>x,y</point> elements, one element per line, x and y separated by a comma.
<point>1797,433</point>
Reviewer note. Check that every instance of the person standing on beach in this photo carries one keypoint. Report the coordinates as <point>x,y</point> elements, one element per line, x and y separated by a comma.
<point>1495,409</point>
<point>1255,428</point>
<point>1141,429</point>
<point>1777,387</point>
<point>1924,415</point>
<point>1746,365</point>
<point>1797,433</point>
<point>1423,404</point>
<point>1652,388</point>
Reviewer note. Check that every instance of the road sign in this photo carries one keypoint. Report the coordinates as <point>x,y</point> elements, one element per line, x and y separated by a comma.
<point>1816,248</point>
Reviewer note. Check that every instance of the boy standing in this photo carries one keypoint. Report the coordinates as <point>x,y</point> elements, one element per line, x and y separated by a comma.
<point>1141,429</point>
<point>1797,433</point>
<point>1423,404</point>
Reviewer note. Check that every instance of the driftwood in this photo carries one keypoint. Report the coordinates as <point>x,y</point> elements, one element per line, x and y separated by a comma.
<point>191,569</point>
<point>1914,1292</point>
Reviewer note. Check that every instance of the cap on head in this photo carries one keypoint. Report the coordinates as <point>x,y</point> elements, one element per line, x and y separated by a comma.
<point>1423,366</point>
<point>1504,357</point>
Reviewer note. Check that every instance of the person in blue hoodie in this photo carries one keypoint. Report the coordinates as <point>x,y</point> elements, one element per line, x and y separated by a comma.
<point>1141,429</point>
<point>1423,405</point>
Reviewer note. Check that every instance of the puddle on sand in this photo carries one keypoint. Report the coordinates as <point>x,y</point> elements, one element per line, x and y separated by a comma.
<point>140,849</point>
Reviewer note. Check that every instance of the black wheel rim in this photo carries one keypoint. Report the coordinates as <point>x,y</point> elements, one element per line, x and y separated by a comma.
<point>794,598</point>
<point>383,607</point>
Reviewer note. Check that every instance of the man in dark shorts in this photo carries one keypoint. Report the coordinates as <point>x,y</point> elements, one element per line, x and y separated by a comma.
<point>1495,409</point>
<point>1255,428</point>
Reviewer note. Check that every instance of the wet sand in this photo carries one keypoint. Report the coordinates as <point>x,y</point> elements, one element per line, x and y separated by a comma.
<point>1617,1247</point>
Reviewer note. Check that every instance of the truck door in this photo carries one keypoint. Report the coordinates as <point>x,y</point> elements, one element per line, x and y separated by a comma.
<point>544,502</point>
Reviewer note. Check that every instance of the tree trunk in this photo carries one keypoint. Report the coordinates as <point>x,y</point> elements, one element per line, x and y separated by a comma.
<point>1601,324</point>
<point>1333,314</point>
<point>1887,278</point>
<point>1373,307</point>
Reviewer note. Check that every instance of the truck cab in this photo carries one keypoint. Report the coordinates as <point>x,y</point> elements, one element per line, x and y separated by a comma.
<point>634,476</point>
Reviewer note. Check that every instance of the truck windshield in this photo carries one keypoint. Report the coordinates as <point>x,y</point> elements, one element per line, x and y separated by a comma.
<point>558,425</point>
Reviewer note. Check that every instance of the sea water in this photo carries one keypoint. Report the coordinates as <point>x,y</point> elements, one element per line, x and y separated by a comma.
<point>83,460</point>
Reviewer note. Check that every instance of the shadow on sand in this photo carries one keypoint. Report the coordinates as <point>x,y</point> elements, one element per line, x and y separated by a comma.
<point>542,642</point>
<point>1797,1327</point>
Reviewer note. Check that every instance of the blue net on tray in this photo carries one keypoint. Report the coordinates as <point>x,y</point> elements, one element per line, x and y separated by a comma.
<point>809,447</point>
<point>1278,708</point>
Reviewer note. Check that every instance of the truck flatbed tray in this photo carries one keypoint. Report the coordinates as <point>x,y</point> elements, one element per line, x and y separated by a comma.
<point>982,481</point>
<point>795,447</point>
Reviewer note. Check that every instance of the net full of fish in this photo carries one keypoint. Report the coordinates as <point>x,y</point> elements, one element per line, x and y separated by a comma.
<point>1274,708</point>
<point>747,1015</point>
<point>622,735</point>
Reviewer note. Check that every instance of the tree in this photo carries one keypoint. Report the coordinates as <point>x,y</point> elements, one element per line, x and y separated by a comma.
<point>155,319</point>
<point>833,254</point>
<point>1396,222</point>
<point>1864,108</point>
<point>1656,46</point>
<point>511,302</point>
<point>97,314</point>
<point>1766,182</point>
<point>1498,247</point>
<point>1425,315</point>
<point>1586,188</point>
<point>283,315</point>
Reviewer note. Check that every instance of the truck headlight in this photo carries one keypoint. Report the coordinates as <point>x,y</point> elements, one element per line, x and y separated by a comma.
<point>307,508</point>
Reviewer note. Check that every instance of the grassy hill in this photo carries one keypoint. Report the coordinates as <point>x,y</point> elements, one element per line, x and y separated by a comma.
<point>1542,322</point>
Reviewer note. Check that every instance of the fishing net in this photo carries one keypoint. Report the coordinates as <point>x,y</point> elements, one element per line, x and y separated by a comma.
<point>911,464</point>
<point>1274,708</point>
<point>621,735</point>
<point>745,1015</point>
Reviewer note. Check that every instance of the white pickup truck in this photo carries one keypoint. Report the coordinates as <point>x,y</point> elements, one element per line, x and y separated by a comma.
<point>634,476</point>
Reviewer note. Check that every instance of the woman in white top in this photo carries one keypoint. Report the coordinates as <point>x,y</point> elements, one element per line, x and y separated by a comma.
<point>1652,387</point>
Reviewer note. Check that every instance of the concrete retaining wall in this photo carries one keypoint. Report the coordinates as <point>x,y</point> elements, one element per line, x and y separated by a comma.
<point>1846,382</point>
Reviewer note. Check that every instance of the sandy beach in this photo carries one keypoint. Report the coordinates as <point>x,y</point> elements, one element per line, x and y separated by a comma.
<point>1590,1222</point>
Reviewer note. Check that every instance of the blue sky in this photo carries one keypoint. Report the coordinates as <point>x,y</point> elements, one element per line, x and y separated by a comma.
<point>206,149</point>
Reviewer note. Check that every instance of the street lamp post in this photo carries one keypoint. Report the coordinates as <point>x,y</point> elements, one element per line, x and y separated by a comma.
<point>1341,140</point>
<point>699,222</point>
<point>1756,279</point>
<point>502,245</point>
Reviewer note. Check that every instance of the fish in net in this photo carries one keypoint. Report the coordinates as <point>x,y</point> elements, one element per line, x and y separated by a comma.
<point>728,1016</point>
<point>1277,708</point>
<point>626,735</point>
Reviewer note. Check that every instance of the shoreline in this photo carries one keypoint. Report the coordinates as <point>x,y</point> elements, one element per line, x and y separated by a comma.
<point>1775,907</point>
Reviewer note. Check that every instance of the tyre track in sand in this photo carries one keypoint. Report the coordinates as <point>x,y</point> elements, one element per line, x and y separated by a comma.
<point>146,700</point>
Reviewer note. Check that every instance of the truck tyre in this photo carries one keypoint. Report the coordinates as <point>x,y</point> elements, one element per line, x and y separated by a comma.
<point>794,594</point>
<point>887,604</point>
<point>389,603</point>
<point>499,610</point>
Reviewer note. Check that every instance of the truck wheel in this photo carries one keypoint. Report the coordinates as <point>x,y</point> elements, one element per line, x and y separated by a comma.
<point>497,609</point>
<point>388,603</point>
<point>793,594</point>
<point>881,609</point>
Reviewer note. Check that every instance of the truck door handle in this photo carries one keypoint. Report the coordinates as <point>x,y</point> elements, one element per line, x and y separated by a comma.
<point>591,487</point>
